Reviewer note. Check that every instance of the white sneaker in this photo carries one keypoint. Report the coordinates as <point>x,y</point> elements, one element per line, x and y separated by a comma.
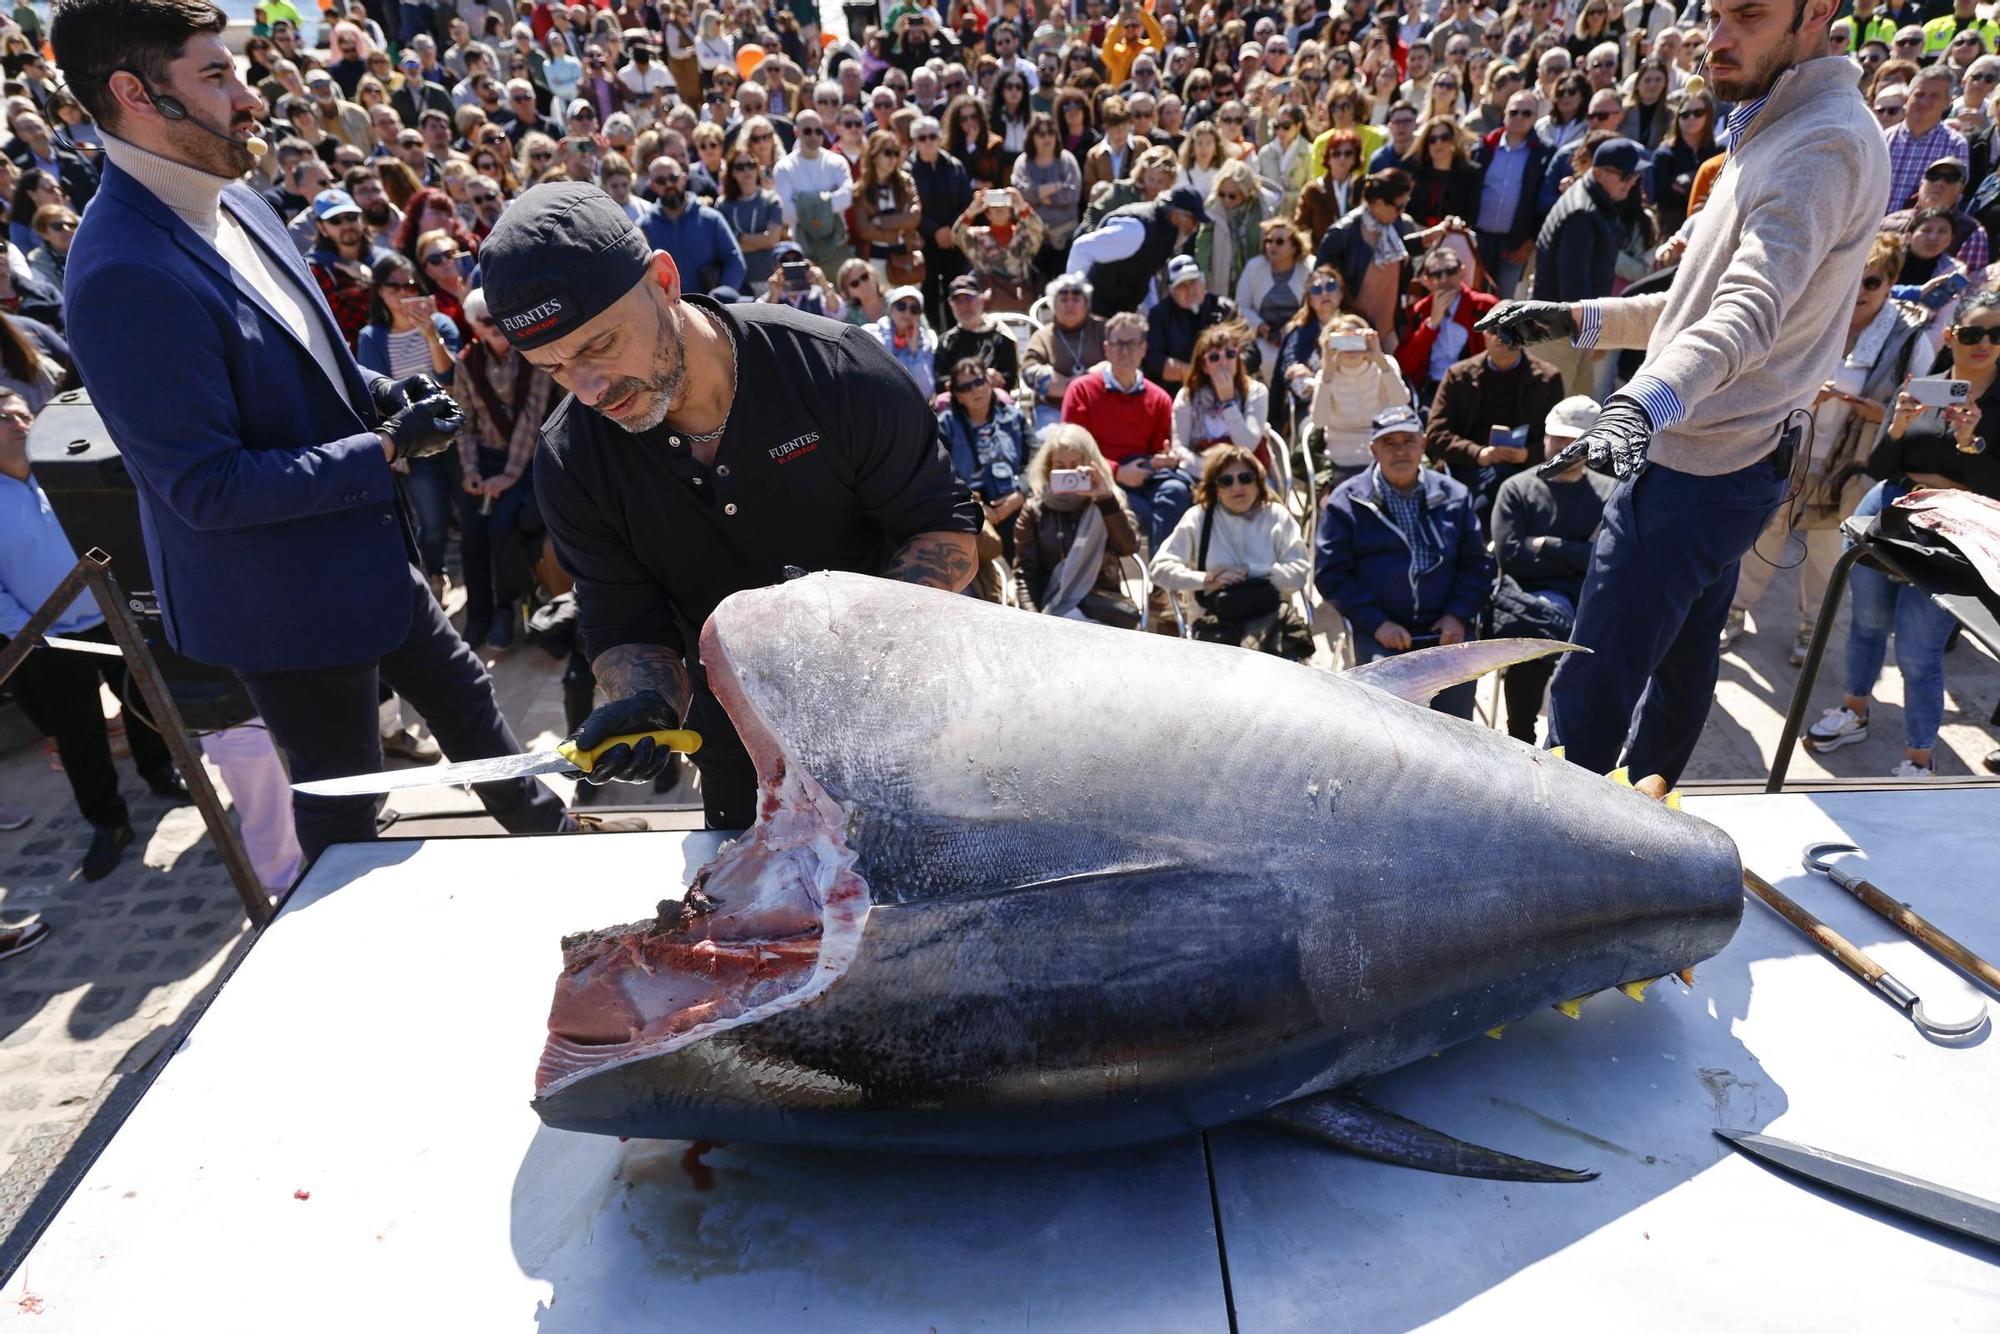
<point>1911,769</point>
<point>1733,628</point>
<point>1836,728</point>
<point>1800,646</point>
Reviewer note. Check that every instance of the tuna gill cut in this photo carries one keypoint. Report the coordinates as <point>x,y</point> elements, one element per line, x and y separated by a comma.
<point>1021,884</point>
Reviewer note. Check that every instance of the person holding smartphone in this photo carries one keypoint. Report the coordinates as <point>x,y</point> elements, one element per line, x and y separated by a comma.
<point>1943,449</point>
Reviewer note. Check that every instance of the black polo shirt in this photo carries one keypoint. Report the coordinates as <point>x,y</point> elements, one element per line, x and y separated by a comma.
<point>830,460</point>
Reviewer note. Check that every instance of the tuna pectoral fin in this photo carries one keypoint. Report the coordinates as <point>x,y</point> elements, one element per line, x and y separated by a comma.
<point>1347,1122</point>
<point>1419,675</point>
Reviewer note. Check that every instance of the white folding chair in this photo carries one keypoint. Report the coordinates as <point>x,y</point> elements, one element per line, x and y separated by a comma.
<point>1018,326</point>
<point>1042,311</point>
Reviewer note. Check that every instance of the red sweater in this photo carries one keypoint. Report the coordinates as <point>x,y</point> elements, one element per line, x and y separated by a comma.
<point>1413,354</point>
<point>1125,426</point>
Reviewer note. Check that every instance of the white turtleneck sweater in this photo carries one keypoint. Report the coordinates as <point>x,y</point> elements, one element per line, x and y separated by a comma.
<point>196,197</point>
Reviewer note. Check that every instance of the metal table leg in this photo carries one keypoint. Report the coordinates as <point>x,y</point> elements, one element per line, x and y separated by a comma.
<point>1836,585</point>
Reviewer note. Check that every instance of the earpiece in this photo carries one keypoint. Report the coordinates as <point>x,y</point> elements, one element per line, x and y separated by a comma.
<point>172,109</point>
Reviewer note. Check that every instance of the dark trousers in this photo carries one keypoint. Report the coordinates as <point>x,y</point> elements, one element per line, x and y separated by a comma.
<point>428,488</point>
<point>479,535</point>
<point>1523,685</point>
<point>1661,576</point>
<point>324,719</point>
<point>728,779</point>
<point>58,689</point>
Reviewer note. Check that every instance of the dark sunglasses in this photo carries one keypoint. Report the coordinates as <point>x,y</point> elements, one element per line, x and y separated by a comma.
<point>763,138</point>
<point>743,166</point>
<point>1236,479</point>
<point>1691,113</point>
<point>1967,335</point>
<point>1874,282</point>
<point>438,257</point>
<point>398,284</point>
<point>485,199</point>
<point>1606,115</point>
<point>1948,175</point>
<point>1440,139</point>
<point>910,307</point>
<point>813,130</point>
<point>1523,113</point>
<point>1324,289</point>
<point>1224,353</point>
<point>968,386</point>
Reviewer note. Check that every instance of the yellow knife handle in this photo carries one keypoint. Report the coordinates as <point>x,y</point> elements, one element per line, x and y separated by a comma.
<point>687,743</point>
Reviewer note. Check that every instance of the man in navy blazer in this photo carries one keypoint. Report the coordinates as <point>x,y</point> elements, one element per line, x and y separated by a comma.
<point>260,450</point>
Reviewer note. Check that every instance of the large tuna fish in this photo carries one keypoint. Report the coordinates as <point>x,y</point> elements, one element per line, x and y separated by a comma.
<point>1023,884</point>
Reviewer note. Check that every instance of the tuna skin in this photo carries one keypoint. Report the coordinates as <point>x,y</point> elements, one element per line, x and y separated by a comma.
<point>1083,887</point>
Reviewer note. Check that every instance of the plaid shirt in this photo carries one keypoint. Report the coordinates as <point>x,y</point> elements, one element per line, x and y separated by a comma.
<point>1407,513</point>
<point>1910,154</point>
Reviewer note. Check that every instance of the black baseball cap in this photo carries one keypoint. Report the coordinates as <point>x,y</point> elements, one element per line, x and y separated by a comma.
<point>561,255</point>
<point>1188,200</point>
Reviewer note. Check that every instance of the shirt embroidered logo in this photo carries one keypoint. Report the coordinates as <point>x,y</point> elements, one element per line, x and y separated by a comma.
<point>796,448</point>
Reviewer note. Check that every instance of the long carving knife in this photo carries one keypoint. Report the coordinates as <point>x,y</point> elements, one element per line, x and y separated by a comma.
<point>1938,1205</point>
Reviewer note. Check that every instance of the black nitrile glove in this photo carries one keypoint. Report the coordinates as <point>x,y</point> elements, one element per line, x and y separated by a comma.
<point>1518,323</point>
<point>425,427</point>
<point>1616,442</point>
<point>392,396</point>
<point>639,762</point>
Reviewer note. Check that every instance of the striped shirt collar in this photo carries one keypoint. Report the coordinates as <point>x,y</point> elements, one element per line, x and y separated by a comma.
<point>1739,121</point>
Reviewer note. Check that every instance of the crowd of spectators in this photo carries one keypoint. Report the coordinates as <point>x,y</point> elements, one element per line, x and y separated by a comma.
<point>1193,284</point>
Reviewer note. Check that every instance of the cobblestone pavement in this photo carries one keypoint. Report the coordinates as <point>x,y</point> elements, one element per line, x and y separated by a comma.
<point>86,1016</point>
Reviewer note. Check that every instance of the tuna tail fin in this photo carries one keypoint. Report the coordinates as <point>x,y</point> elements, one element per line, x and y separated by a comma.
<point>1348,1122</point>
<point>1421,674</point>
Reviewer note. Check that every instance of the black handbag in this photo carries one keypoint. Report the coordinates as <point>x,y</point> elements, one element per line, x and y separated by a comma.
<point>1244,601</point>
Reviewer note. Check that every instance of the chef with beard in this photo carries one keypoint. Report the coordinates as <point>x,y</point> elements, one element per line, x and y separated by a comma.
<point>704,449</point>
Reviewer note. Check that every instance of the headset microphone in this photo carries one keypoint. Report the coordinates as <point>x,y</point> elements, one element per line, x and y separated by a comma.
<point>171,108</point>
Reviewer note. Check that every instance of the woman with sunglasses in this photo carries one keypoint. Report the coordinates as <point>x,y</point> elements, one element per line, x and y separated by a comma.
<point>1943,449</point>
<point>1272,288</point>
<point>755,214</point>
<point>1689,142</point>
<point>1072,534</point>
<point>55,224</point>
<point>883,220</point>
<point>1885,344</point>
<point>1285,162</point>
<point>1328,197</point>
<point>407,335</point>
<point>1240,555</point>
<point>1347,110</point>
<point>430,210</point>
<point>1591,26</point>
<point>34,189</point>
<point>1232,235</point>
<point>442,263</point>
<point>1007,115</point>
<point>1298,359</point>
<point>1445,184</point>
<point>967,138</point>
<point>1220,402</point>
<point>988,441</point>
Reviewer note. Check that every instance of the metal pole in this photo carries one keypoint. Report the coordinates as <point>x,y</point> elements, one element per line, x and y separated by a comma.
<point>96,570</point>
<point>45,616</point>
<point>1795,718</point>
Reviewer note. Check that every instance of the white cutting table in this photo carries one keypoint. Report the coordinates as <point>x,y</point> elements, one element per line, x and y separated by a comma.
<point>345,1143</point>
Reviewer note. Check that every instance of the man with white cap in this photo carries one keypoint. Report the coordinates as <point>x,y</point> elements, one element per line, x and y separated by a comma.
<point>1174,325</point>
<point>1543,528</point>
<point>907,337</point>
<point>1400,555</point>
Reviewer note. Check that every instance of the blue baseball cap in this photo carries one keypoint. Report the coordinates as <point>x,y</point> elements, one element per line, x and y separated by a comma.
<point>1621,155</point>
<point>330,204</point>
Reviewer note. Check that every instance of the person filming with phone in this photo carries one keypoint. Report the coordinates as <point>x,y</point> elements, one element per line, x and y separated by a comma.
<point>1925,445</point>
<point>1702,440</point>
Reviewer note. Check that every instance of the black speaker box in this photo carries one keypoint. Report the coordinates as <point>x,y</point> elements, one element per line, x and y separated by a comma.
<point>78,467</point>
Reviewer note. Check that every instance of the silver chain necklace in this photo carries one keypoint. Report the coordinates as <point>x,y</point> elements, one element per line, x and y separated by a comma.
<point>704,437</point>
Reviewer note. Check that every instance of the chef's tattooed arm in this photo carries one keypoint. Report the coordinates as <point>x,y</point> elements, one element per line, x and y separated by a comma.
<point>938,560</point>
<point>624,671</point>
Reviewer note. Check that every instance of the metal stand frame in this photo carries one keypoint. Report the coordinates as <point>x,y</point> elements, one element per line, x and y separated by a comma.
<point>1882,556</point>
<point>94,573</point>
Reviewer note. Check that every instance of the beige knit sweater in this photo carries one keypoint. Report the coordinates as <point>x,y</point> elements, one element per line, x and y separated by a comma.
<point>1754,320</point>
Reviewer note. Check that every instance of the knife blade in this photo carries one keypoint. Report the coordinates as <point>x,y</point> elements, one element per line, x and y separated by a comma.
<point>1941,1206</point>
<point>565,758</point>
